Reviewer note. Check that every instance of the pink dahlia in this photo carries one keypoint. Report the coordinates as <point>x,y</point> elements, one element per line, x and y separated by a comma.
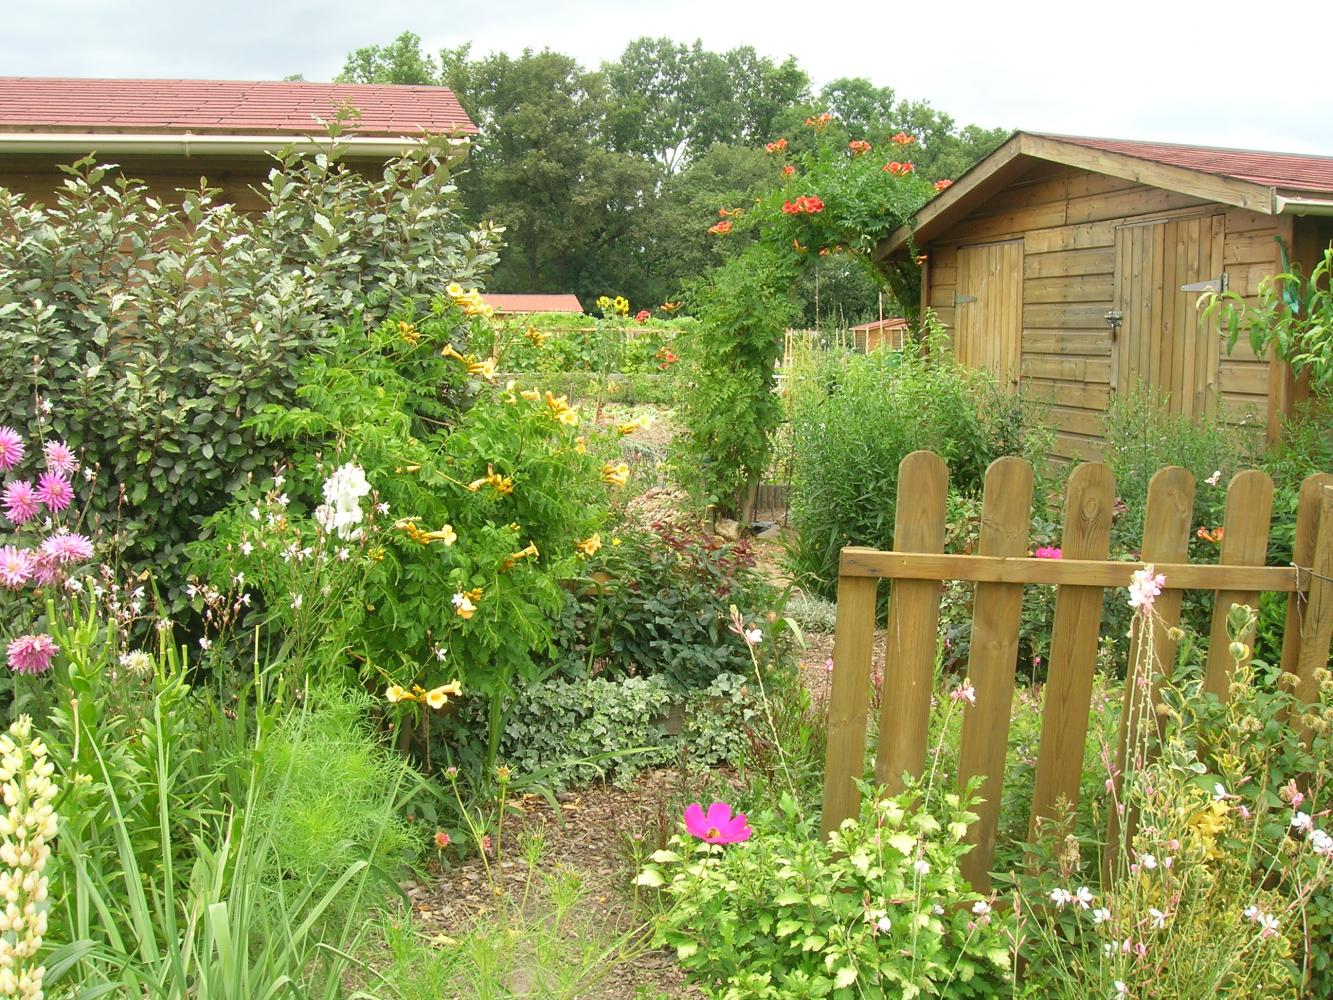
<point>59,458</point>
<point>15,567</point>
<point>1048,552</point>
<point>718,825</point>
<point>45,570</point>
<point>31,654</point>
<point>21,501</point>
<point>55,491</point>
<point>11,448</point>
<point>65,547</point>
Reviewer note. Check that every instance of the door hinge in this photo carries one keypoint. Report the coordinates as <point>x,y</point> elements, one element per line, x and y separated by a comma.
<point>962,300</point>
<point>1218,284</point>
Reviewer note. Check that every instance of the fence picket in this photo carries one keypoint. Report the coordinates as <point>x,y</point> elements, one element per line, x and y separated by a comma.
<point>913,627</point>
<point>1166,539</point>
<point>1317,622</point>
<point>1078,613</point>
<point>1245,543</point>
<point>1302,554</point>
<point>853,648</point>
<point>1006,519</point>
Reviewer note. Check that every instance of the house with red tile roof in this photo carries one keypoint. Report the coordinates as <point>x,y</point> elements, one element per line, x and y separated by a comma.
<point>1072,266</point>
<point>511,304</point>
<point>171,132</point>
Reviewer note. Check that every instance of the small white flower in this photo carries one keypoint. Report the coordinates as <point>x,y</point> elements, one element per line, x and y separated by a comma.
<point>246,548</point>
<point>1148,861</point>
<point>981,908</point>
<point>1268,925</point>
<point>883,924</point>
<point>921,866</point>
<point>1120,988</point>
<point>1302,821</point>
<point>754,636</point>
<point>458,600</point>
<point>1101,915</point>
<point>1061,898</point>
<point>205,642</point>
<point>1083,896</point>
<point>282,499</point>
<point>1219,791</point>
<point>44,406</point>
<point>1215,478</point>
<point>297,601</point>
<point>383,508</point>
<point>254,513</point>
<point>1158,917</point>
<point>440,652</point>
<point>1251,912</point>
<point>344,554</point>
<point>1321,843</point>
<point>278,480</point>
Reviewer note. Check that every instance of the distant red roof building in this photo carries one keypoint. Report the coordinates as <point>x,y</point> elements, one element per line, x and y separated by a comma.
<point>222,107</point>
<point>508,304</point>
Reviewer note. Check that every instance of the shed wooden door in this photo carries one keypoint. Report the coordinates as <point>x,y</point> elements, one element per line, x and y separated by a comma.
<point>988,319</point>
<point>1163,344</point>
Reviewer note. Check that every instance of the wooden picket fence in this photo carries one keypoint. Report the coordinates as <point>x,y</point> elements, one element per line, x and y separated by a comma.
<point>917,567</point>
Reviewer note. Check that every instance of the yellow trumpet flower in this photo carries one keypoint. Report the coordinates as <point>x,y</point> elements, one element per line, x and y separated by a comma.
<point>615,474</point>
<point>463,606</point>
<point>438,697</point>
<point>504,485</point>
<point>588,546</point>
<point>396,694</point>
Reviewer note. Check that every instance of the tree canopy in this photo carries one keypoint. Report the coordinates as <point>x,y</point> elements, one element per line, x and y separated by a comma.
<point>608,179</point>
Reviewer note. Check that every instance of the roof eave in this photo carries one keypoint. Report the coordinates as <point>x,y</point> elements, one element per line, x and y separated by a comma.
<point>972,186</point>
<point>116,143</point>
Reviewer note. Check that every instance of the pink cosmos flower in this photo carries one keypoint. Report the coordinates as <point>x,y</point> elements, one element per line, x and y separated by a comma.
<point>59,458</point>
<point>54,491</point>
<point>21,501</point>
<point>1048,552</point>
<point>1144,588</point>
<point>65,547</point>
<point>718,825</point>
<point>15,567</point>
<point>11,448</point>
<point>31,654</point>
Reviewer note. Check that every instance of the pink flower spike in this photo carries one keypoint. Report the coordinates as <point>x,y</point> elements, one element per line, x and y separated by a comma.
<point>718,825</point>
<point>21,501</point>
<point>54,491</point>
<point>1048,552</point>
<point>31,654</point>
<point>11,448</point>
<point>59,458</point>
<point>15,567</point>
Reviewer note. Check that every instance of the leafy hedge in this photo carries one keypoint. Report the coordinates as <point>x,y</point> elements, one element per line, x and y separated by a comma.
<point>155,330</point>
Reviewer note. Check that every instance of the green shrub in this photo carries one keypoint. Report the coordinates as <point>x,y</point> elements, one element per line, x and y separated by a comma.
<point>855,417</point>
<point>665,611</point>
<point>154,330</point>
<point>570,732</point>
<point>878,909</point>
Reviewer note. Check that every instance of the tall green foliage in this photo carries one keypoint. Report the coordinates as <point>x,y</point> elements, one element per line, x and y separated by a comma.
<point>730,414</point>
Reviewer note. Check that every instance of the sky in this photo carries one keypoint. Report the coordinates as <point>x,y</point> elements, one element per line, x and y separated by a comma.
<point>1223,73</point>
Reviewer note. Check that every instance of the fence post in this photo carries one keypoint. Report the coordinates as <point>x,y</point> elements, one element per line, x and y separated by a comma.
<point>913,628</point>
<point>1302,555</point>
<point>997,608</point>
<point>1245,543</point>
<point>1074,635</point>
<point>1317,622</point>
<point>853,648</point>
<point>1166,539</point>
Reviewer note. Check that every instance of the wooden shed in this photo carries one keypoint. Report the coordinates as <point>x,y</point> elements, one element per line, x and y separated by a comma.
<point>1073,265</point>
<point>170,133</point>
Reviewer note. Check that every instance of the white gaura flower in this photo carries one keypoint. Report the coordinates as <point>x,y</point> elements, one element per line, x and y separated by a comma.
<point>343,492</point>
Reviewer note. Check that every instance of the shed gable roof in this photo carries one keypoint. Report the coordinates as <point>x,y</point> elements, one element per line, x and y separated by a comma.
<point>223,107</point>
<point>1261,182</point>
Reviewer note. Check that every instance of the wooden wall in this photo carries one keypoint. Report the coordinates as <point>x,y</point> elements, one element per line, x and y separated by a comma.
<point>1067,219</point>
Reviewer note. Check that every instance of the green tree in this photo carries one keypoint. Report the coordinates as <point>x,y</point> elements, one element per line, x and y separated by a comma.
<point>401,61</point>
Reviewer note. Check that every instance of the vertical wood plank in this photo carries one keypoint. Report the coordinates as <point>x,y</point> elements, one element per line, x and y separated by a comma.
<point>914,610</point>
<point>1212,361</point>
<point>1119,375</point>
<point>1302,554</point>
<point>1317,621</point>
<point>1006,519</point>
<point>1078,612</point>
<point>853,648</point>
<point>1244,543</point>
<point>1166,539</point>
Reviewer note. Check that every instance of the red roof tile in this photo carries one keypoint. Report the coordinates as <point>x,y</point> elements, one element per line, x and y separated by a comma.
<point>534,303</point>
<point>1288,171</point>
<point>43,104</point>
